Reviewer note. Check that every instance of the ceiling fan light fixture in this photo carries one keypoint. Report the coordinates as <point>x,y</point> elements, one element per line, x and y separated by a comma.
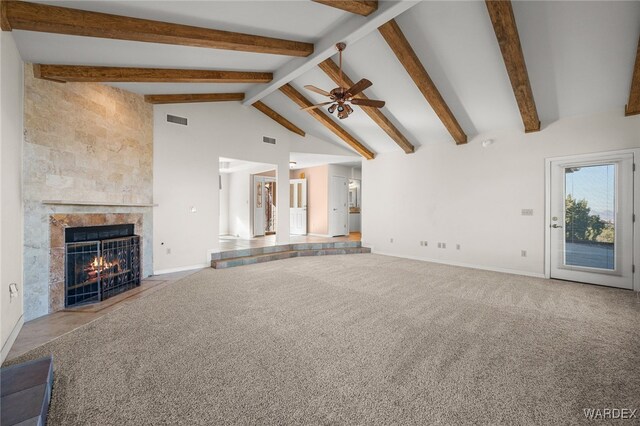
<point>341,97</point>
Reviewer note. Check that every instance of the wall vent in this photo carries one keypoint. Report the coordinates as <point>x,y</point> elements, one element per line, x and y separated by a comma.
<point>266,139</point>
<point>176,119</point>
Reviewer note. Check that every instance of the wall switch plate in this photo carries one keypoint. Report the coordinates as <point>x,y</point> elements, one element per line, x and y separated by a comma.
<point>523,253</point>
<point>457,246</point>
<point>527,212</point>
<point>168,251</point>
<point>390,240</point>
<point>444,245</point>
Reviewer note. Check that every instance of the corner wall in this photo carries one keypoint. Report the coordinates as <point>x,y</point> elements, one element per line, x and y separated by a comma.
<point>473,196</point>
<point>11,308</point>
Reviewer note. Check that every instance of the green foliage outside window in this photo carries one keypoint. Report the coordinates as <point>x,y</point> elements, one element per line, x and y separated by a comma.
<point>582,226</point>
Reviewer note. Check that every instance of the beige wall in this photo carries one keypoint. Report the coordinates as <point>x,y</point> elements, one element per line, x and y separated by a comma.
<point>11,308</point>
<point>82,142</point>
<point>86,142</point>
<point>317,198</point>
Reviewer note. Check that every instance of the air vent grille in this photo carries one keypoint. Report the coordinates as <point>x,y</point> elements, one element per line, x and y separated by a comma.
<point>176,119</point>
<point>266,139</point>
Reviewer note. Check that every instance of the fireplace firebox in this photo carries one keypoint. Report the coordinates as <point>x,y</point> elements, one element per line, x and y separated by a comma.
<point>100,262</point>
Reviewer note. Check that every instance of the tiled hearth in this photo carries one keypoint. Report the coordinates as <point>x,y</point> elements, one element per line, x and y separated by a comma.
<point>57,225</point>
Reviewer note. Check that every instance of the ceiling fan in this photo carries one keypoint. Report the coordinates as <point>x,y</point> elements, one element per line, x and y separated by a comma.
<point>342,97</point>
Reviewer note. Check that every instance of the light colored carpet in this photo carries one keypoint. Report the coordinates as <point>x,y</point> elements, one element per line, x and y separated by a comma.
<point>359,339</point>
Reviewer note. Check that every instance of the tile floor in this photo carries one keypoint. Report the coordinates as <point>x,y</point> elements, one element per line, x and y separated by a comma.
<point>228,243</point>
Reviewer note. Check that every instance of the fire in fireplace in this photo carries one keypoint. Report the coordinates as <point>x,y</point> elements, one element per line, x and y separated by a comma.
<point>101,261</point>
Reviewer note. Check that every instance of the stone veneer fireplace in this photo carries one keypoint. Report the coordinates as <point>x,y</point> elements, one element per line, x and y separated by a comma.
<point>59,223</point>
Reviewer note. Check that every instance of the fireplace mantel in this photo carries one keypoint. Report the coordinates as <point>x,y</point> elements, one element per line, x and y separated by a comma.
<point>92,203</point>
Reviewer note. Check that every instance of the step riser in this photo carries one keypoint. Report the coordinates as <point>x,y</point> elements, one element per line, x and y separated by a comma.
<point>257,251</point>
<point>250,260</point>
<point>250,252</point>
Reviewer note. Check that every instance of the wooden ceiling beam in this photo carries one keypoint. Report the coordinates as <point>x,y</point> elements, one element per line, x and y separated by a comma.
<point>350,31</point>
<point>260,106</point>
<point>85,74</point>
<point>633,106</point>
<point>359,7</point>
<point>326,121</point>
<point>504,25</point>
<point>333,71</point>
<point>399,44</point>
<point>188,98</point>
<point>18,15</point>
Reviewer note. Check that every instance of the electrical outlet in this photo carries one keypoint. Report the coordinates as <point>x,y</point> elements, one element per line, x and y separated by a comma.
<point>390,240</point>
<point>523,253</point>
<point>527,212</point>
<point>422,243</point>
<point>457,246</point>
<point>444,245</point>
<point>168,251</point>
<point>425,243</point>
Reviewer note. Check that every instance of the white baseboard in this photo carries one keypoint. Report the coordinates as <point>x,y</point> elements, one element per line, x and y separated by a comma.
<point>182,268</point>
<point>319,235</point>
<point>12,338</point>
<point>465,265</point>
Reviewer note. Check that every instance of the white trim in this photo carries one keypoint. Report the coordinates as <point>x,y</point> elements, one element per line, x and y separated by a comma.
<point>11,339</point>
<point>464,265</point>
<point>636,200</point>
<point>182,268</point>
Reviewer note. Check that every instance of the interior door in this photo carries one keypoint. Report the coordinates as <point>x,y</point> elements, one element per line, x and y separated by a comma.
<point>591,221</point>
<point>298,206</point>
<point>258,206</point>
<point>338,211</point>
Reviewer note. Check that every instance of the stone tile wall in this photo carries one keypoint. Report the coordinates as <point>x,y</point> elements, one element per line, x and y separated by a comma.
<point>82,142</point>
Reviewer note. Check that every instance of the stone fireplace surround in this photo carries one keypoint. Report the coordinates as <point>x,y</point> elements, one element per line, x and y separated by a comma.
<point>44,246</point>
<point>57,225</point>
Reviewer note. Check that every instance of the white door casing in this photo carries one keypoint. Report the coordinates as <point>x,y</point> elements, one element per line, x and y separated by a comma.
<point>298,206</point>
<point>338,209</point>
<point>604,184</point>
<point>258,206</point>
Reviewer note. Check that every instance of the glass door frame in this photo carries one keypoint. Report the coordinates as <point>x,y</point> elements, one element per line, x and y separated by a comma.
<point>592,158</point>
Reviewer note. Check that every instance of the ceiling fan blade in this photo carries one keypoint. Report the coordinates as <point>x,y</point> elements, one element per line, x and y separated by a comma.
<point>359,87</point>
<point>368,102</point>
<point>316,106</point>
<point>317,90</point>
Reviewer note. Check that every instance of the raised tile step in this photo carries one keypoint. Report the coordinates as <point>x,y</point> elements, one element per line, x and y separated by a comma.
<point>248,260</point>
<point>255,251</point>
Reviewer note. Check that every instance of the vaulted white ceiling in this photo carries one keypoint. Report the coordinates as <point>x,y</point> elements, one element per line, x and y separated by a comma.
<point>579,55</point>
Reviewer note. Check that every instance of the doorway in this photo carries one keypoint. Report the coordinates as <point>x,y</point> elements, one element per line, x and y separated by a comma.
<point>264,204</point>
<point>338,210</point>
<point>590,219</point>
<point>298,206</point>
<point>248,199</point>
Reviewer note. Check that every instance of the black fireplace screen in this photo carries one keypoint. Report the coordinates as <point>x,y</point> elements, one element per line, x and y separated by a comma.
<point>97,270</point>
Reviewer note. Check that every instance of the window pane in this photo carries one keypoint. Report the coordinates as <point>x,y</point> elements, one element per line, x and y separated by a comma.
<point>291,188</point>
<point>590,214</point>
